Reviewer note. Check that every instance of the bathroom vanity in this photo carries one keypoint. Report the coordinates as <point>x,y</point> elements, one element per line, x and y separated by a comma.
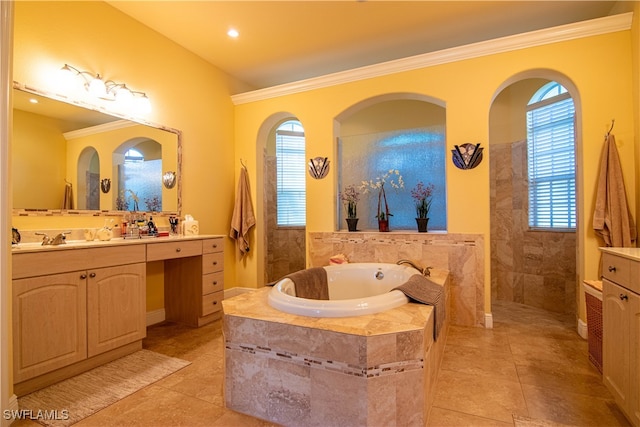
<point>79,305</point>
<point>621,328</point>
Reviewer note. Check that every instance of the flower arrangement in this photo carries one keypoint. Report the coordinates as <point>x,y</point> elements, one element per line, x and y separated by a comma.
<point>153,203</point>
<point>350,197</point>
<point>422,194</point>
<point>391,177</point>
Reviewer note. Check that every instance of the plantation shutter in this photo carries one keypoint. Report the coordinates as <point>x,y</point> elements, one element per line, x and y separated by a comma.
<point>291,168</point>
<point>551,163</point>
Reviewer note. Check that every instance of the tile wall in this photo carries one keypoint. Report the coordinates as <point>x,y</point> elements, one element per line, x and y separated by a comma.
<point>536,268</point>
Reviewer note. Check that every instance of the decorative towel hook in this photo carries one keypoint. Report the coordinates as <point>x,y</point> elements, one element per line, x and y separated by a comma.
<point>613,122</point>
<point>242,163</point>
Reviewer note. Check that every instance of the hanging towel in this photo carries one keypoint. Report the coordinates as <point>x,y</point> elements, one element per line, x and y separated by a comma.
<point>243,218</point>
<point>612,218</point>
<point>67,203</point>
<point>423,290</point>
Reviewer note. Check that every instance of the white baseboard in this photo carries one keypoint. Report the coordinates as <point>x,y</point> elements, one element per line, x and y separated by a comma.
<point>155,316</point>
<point>582,329</point>
<point>488,321</point>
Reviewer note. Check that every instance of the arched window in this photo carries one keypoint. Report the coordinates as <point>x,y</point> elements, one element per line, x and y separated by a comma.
<point>551,158</point>
<point>291,169</point>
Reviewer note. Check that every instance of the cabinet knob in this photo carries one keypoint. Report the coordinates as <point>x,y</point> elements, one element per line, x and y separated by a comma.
<point>215,262</point>
<point>178,249</point>
<point>215,303</point>
<point>612,269</point>
<point>92,275</point>
<point>624,297</point>
<point>215,282</point>
<point>83,276</point>
<point>215,246</point>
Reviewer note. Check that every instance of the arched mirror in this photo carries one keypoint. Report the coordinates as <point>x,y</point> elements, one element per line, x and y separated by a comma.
<point>62,149</point>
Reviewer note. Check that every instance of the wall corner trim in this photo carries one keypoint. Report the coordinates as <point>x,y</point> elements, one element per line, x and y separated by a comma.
<point>593,27</point>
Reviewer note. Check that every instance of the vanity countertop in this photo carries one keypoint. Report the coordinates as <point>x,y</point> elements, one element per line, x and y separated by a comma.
<point>119,241</point>
<point>630,253</point>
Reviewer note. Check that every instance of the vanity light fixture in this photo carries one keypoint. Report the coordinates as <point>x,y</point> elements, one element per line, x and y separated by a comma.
<point>109,90</point>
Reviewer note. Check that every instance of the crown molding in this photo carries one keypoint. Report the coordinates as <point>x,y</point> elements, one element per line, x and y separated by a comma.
<point>93,130</point>
<point>593,27</point>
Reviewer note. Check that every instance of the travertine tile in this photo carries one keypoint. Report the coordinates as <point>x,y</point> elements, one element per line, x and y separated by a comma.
<point>451,418</point>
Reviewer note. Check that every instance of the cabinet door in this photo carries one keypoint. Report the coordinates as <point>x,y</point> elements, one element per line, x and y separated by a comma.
<point>49,323</point>
<point>116,306</point>
<point>634,346</point>
<point>615,341</point>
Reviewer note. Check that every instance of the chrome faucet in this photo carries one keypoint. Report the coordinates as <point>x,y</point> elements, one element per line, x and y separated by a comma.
<point>424,271</point>
<point>60,239</point>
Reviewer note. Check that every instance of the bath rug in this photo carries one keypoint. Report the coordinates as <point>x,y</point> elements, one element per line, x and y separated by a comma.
<point>71,400</point>
<point>423,290</point>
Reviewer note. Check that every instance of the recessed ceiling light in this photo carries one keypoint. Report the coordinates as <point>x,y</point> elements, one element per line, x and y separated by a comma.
<point>33,100</point>
<point>233,33</point>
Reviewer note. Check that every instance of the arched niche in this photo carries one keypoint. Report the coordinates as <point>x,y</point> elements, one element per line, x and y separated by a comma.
<point>88,179</point>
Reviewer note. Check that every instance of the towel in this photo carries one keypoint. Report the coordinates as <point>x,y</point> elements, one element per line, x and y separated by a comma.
<point>67,202</point>
<point>423,290</point>
<point>612,219</point>
<point>311,283</point>
<point>243,217</point>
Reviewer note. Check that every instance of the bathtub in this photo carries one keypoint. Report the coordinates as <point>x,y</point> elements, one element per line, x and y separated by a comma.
<point>354,290</point>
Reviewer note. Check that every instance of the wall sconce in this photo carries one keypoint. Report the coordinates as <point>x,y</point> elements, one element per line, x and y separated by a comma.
<point>108,90</point>
<point>105,185</point>
<point>467,156</point>
<point>319,167</point>
<point>169,179</point>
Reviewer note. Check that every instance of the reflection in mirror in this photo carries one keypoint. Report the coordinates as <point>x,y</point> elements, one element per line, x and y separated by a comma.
<point>61,149</point>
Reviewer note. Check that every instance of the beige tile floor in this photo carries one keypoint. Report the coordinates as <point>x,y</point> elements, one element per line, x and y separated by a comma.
<point>532,364</point>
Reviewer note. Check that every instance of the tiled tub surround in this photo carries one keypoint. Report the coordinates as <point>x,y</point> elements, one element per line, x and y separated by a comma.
<point>461,254</point>
<point>370,370</point>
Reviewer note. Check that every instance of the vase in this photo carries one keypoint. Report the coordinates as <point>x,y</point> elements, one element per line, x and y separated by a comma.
<point>352,223</point>
<point>383,225</point>
<point>422,224</point>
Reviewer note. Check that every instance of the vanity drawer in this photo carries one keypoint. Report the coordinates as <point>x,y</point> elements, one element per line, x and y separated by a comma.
<point>169,250</point>
<point>212,303</point>
<point>620,270</point>
<point>60,260</point>
<point>213,282</point>
<point>212,245</point>
<point>212,262</point>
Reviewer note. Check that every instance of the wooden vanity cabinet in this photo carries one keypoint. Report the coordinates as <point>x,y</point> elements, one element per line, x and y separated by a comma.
<point>64,318</point>
<point>621,332</point>
<point>194,286</point>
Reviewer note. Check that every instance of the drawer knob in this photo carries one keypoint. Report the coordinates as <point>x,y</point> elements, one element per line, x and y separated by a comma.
<point>215,262</point>
<point>178,249</point>
<point>215,282</point>
<point>83,276</point>
<point>215,303</point>
<point>624,297</point>
<point>215,246</point>
<point>612,269</point>
<point>92,275</point>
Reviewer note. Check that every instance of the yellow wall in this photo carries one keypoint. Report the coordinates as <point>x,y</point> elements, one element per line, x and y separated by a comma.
<point>186,94</point>
<point>467,88</point>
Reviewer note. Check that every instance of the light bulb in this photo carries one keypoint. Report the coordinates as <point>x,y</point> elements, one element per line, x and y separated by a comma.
<point>66,76</point>
<point>142,104</point>
<point>124,96</point>
<point>97,87</point>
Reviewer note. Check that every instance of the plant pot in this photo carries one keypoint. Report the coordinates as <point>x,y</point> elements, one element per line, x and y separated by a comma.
<point>422,224</point>
<point>352,223</point>
<point>383,225</point>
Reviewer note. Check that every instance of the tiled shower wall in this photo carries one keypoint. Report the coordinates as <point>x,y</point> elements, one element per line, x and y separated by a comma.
<point>536,268</point>
<point>285,246</point>
<point>461,254</point>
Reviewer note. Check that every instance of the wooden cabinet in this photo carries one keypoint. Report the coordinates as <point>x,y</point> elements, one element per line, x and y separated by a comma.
<point>116,307</point>
<point>621,332</point>
<point>194,286</point>
<point>62,319</point>
<point>49,323</point>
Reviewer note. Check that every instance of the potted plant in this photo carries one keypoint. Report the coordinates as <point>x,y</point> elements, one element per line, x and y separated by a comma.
<point>394,179</point>
<point>422,194</point>
<point>350,197</point>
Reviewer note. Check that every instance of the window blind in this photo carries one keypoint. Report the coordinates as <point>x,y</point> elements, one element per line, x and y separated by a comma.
<point>551,163</point>
<point>291,169</point>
